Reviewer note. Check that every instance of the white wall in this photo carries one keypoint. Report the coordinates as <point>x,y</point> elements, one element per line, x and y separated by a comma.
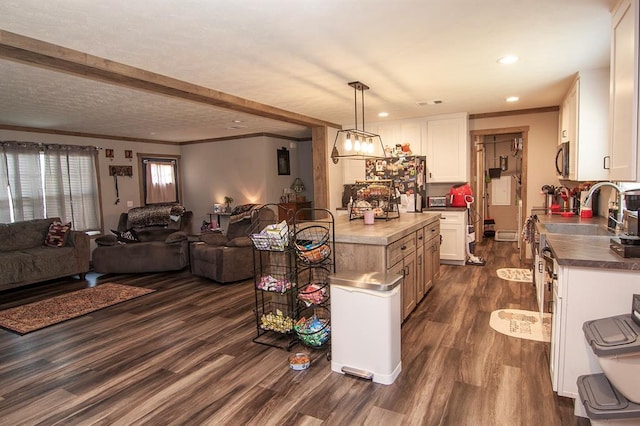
<point>244,169</point>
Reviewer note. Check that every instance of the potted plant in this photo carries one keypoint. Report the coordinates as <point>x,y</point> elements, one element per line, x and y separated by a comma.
<point>228,200</point>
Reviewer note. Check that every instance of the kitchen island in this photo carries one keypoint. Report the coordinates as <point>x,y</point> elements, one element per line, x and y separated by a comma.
<point>591,282</point>
<point>408,245</point>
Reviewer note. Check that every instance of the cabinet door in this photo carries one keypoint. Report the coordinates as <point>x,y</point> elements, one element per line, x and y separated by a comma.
<point>429,253</point>
<point>436,259</point>
<point>453,231</point>
<point>624,92</point>
<point>409,285</point>
<point>420,270</point>
<point>447,148</point>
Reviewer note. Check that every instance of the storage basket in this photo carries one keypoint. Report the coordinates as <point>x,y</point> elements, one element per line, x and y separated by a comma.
<point>314,326</point>
<point>272,237</point>
<point>277,317</point>
<point>276,279</point>
<point>311,244</point>
<point>313,286</point>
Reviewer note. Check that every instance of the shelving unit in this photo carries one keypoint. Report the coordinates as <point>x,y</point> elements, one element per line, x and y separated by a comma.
<point>275,279</point>
<point>292,264</point>
<point>314,245</point>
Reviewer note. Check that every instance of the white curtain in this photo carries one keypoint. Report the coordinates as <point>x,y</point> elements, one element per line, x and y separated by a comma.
<point>160,182</point>
<point>71,185</point>
<point>38,181</point>
<point>21,197</point>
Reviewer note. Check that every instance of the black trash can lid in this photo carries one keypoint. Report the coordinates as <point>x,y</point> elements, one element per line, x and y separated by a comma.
<point>613,335</point>
<point>602,401</point>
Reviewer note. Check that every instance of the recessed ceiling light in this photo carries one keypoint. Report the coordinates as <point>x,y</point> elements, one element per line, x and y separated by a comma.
<point>237,121</point>
<point>383,114</point>
<point>512,99</point>
<point>509,59</point>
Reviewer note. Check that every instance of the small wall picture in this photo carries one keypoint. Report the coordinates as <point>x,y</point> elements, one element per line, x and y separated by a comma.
<point>128,154</point>
<point>108,153</point>
<point>283,162</point>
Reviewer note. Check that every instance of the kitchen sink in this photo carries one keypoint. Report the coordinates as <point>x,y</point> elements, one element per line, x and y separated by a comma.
<point>578,229</point>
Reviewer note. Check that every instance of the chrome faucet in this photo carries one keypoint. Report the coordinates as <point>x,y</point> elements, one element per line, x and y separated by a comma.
<point>597,186</point>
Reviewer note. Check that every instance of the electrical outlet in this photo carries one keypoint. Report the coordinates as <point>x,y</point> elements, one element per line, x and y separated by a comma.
<point>129,203</point>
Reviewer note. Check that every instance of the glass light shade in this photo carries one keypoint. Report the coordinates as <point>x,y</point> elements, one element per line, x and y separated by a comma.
<point>348,146</point>
<point>356,145</point>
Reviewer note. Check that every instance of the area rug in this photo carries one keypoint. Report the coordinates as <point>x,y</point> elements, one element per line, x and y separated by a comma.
<point>522,324</point>
<point>34,316</point>
<point>515,274</point>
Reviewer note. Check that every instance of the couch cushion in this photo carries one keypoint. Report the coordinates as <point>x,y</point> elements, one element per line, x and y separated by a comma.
<point>34,263</point>
<point>176,237</point>
<point>240,242</point>
<point>57,235</point>
<point>24,234</point>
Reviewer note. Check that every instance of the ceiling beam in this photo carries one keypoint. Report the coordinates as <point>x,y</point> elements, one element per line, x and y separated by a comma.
<point>40,53</point>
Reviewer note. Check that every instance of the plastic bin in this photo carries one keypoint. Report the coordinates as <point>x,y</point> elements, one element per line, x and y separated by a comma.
<point>604,404</point>
<point>616,343</point>
<point>366,314</point>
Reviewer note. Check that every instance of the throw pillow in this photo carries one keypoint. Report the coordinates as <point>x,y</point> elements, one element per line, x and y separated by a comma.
<point>128,236</point>
<point>107,240</point>
<point>57,235</point>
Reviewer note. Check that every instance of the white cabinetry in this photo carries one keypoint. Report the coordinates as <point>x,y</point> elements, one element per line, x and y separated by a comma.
<point>585,294</point>
<point>585,125</point>
<point>400,132</point>
<point>446,144</point>
<point>453,227</point>
<point>624,113</point>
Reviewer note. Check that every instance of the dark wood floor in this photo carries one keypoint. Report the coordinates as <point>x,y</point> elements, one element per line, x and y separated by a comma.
<point>184,355</point>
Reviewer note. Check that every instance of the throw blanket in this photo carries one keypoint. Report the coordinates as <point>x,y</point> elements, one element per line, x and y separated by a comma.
<point>160,214</point>
<point>240,212</point>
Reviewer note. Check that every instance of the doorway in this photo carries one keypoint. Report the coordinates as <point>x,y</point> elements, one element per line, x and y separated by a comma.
<point>499,169</point>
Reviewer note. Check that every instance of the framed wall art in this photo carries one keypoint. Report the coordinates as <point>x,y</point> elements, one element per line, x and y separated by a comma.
<point>284,167</point>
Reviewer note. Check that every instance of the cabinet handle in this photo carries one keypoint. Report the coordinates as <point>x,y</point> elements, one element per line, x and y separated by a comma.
<point>406,271</point>
<point>539,266</point>
<point>403,247</point>
<point>606,164</point>
<point>564,133</point>
<point>419,238</point>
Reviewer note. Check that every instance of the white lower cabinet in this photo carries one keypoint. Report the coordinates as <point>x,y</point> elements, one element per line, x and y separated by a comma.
<point>453,228</point>
<point>584,294</point>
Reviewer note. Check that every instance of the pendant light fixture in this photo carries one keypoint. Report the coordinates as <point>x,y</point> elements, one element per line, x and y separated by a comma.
<point>357,144</point>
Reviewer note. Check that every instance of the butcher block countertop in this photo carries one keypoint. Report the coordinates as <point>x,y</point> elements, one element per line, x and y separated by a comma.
<point>582,250</point>
<point>382,232</point>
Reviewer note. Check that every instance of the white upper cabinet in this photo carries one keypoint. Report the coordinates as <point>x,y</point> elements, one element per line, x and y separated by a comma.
<point>446,145</point>
<point>584,121</point>
<point>400,132</point>
<point>624,115</point>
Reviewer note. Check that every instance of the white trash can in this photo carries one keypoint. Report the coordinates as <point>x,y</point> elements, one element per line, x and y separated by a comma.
<point>366,315</point>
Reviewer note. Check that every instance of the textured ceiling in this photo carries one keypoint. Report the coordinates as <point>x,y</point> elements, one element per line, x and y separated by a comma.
<point>298,56</point>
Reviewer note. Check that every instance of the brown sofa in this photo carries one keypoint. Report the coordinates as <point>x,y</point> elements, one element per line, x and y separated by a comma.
<point>228,258</point>
<point>158,247</point>
<point>25,259</point>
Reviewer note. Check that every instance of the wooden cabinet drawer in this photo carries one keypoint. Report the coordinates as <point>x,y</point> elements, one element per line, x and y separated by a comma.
<point>431,231</point>
<point>399,249</point>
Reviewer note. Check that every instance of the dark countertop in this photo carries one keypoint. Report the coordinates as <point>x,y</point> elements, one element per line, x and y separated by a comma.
<point>581,250</point>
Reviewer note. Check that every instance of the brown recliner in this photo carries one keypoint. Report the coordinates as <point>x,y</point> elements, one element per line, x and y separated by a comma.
<point>228,258</point>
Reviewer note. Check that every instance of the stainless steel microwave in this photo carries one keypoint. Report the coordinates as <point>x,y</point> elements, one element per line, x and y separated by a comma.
<point>562,160</point>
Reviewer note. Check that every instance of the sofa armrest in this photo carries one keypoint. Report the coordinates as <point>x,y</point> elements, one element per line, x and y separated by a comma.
<point>80,242</point>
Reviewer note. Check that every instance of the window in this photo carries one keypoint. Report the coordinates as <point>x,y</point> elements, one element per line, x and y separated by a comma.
<point>47,180</point>
<point>160,179</point>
